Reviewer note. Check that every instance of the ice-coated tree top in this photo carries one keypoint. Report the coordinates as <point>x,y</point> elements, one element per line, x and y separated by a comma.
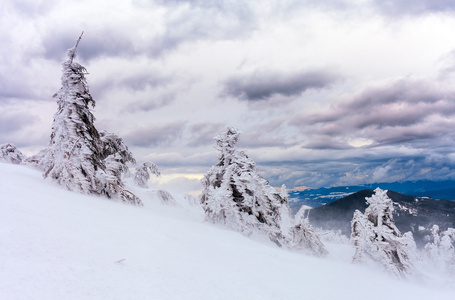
<point>225,142</point>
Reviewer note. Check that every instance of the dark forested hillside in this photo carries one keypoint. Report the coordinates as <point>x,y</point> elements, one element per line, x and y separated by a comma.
<point>415,214</point>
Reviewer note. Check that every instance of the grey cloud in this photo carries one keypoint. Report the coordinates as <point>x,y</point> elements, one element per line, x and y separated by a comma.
<point>94,43</point>
<point>324,142</point>
<point>448,65</point>
<point>12,88</point>
<point>202,20</point>
<point>31,8</point>
<point>141,81</point>
<point>266,134</point>
<point>153,136</point>
<point>12,122</point>
<point>152,102</point>
<point>202,134</point>
<point>257,139</point>
<point>263,85</point>
<point>414,7</point>
<point>136,81</point>
<point>396,113</point>
<point>357,170</point>
<point>401,91</point>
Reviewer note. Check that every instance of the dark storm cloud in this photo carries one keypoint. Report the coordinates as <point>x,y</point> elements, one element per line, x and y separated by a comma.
<point>357,170</point>
<point>263,85</point>
<point>390,114</point>
<point>324,142</point>
<point>414,7</point>
<point>160,135</point>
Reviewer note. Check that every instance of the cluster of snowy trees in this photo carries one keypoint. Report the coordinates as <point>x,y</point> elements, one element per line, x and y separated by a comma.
<point>441,251</point>
<point>79,157</point>
<point>376,239</point>
<point>236,196</point>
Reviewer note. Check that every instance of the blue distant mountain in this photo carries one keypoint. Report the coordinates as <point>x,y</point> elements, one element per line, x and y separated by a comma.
<point>423,188</point>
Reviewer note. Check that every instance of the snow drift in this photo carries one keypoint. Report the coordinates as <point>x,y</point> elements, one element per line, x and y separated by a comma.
<point>57,244</point>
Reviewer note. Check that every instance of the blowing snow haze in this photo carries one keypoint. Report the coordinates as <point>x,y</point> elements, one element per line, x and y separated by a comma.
<point>333,93</point>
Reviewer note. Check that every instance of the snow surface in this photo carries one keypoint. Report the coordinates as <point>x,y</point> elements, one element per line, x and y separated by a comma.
<point>56,244</point>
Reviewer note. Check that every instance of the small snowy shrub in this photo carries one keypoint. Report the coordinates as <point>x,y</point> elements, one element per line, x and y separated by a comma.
<point>166,198</point>
<point>441,252</point>
<point>303,237</point>
<point>193,201</point>
<point>143,173</point>
<point>10,154</point>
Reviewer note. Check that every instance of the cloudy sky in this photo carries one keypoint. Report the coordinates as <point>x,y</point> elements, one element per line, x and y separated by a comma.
<point>326,93</point>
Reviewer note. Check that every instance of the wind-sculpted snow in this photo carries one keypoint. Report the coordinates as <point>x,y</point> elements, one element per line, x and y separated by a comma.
<point>61,245</point>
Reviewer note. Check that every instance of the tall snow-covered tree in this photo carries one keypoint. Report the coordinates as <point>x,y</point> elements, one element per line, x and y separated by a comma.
<point>236,195</point>
<point>78,156</point>
<point>73,157</point>
<point>10,154</point>
<point>377,238</point>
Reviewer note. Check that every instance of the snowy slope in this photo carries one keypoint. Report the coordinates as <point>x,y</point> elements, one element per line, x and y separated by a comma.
<point>56,244</point>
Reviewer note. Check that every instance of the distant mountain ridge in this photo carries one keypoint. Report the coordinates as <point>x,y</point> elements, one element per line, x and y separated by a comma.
<point>423,188</point>
<point>425,212</point>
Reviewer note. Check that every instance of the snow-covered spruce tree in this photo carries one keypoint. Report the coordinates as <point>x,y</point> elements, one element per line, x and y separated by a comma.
<point>376,237</point>
<point>236,196</point>
<point>441,252</point>
<point>302,236</point>
<point>10,154</point>
<point>78,156</point>
<point>143,173</point>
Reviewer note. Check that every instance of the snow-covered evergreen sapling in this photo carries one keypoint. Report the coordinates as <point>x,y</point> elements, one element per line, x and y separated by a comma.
<point>303,237</point>
<point>166,197</point>
<point>10,154</point>
<point>236,196</point>
<point>441,252</point>
<point>78,156</point>
<point>376,237</point>
<point>143,172</point>
<point>287,221</point>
